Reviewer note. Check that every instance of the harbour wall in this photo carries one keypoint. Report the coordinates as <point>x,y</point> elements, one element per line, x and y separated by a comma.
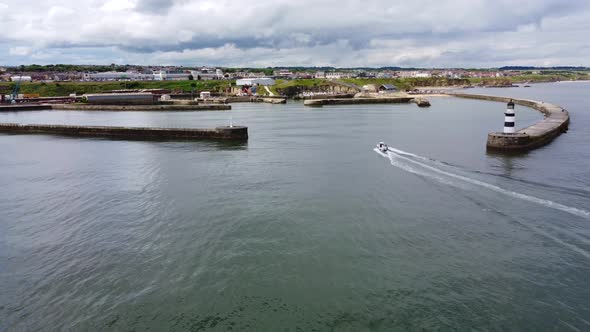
<point>25,107</point>
<point>555,123</point>
<point>252,99</point>
<point>357,101</point>
<point>142,108</point>
<point>135,133</point>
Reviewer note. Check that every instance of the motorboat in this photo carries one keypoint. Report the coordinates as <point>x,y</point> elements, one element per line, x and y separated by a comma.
<point>382,147</point>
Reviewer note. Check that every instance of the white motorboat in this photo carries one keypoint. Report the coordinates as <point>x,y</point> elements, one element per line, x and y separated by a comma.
<point>382,147</point>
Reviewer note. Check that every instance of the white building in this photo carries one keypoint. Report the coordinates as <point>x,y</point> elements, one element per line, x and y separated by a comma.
<point>163,75</point>
<point>422,74</point>
<point>320,74</point>
<point>21,78</point>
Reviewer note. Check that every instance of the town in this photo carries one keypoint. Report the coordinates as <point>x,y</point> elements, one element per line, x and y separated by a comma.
<point>56,73</point>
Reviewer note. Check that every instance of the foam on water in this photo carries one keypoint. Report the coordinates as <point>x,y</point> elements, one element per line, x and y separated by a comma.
<point>395,153</point>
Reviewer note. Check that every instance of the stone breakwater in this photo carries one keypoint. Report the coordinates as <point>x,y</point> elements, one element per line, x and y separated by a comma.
<point>134,133</point>
<point>25,107</point>
<point>556,121</point>
<point>357,101</point>
<point>141,108</point>
<point>115,108</point>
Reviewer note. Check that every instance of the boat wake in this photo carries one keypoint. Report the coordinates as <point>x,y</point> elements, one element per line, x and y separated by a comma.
<point>408,161</point>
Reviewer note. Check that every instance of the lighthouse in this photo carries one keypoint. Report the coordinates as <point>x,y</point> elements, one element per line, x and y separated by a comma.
<point>509,118</point>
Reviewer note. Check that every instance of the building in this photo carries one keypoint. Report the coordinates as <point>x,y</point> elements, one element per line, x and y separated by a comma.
<point>320,74</point>
<point>120,98</point>
<point>164,75</point>
<point>387,88</point>
<point>21,78</point>
<point>267,81</point>
<point>118,76</point>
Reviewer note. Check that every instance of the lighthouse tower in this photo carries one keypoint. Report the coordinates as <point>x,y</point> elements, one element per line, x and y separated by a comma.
<point>509,118</point>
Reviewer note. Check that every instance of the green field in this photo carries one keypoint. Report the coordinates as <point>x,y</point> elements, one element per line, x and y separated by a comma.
<point>66,88</point>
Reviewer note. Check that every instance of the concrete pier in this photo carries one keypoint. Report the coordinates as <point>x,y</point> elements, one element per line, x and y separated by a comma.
<point>24,107</point>
<point>141,108</point>
<point>357,101</point>
<point>253,99</point>
<point>556,121</point>
<point>134,133</point>
<point>114,108</point>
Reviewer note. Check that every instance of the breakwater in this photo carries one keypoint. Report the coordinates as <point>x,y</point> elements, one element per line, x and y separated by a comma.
<point>141,108</point>
<point>556,121</point>
<point>357,101</point>
<point>24,107</point>
<point>136,133</point>
<point>252,99</point>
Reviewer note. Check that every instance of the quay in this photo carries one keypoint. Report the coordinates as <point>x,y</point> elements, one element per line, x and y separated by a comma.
<point>421,102</point>
<point>114,108</point>
<point>142,108</point>
<point>357,101</point>
<point>25,107</point>
<point>134,133</point>
<point>251,99</point>
<point>555,123</point>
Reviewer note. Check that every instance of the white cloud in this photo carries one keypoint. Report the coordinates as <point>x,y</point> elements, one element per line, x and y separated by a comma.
<point>20,51</point>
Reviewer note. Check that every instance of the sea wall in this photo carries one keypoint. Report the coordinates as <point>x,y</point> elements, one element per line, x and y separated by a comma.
<point>142,108</point>
<point>357,101</point>
<point>24,107</point>
<point>135,133</point>
<point>254,99</point>
<point>556,121</point>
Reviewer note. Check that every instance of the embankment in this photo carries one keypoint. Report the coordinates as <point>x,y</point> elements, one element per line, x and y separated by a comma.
<point>357,101</point>
<point>134,133</point>
<point>25,107</point>
<point>250,99</point>
<point>556,121</point>
<point>421,102</point>
<point>141,108</point>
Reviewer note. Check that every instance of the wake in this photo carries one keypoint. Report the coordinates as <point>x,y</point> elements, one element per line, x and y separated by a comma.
<point>394,155</point>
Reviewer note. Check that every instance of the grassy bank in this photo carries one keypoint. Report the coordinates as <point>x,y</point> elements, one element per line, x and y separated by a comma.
<point>66,88</point>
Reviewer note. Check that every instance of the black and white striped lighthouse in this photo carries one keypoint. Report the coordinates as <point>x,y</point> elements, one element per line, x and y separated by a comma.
<point>509,118</point>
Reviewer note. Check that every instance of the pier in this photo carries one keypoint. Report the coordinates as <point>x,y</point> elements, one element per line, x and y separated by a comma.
<point>357,101</point>
<point>555,123</point>
<point>114,108</point>
<point>141,108</point>
<point>135,133</point>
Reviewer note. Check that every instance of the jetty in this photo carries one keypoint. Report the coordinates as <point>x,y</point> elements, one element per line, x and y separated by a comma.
<point>114,108</point>
<point>142,108</point>
<point>133,133</point>
<point>555,122</point>
<point>357,101</point>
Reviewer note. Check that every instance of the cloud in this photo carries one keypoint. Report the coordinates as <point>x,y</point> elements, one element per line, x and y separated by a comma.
<point>20,51</point>
<point>306,32</point>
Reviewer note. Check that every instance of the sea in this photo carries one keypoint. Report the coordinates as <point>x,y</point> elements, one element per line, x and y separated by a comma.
<point>304,227</point>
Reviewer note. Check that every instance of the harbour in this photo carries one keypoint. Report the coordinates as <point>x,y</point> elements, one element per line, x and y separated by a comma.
<point>152,228</point>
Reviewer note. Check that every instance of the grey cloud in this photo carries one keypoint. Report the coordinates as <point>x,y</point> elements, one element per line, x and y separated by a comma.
<point>335,32</point>
<point>154,6</point>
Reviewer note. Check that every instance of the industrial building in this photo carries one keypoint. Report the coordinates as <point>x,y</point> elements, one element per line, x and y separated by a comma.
<point>116,76</point>
<point>120,98</point>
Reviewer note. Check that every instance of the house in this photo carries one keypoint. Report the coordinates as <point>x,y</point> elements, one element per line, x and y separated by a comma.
<point>387,88</point>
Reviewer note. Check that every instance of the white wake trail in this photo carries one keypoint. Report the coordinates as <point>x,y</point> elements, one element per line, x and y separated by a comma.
<point>402,155</point>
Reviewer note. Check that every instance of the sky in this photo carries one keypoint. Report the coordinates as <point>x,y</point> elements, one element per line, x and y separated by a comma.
<point>262,33</point>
